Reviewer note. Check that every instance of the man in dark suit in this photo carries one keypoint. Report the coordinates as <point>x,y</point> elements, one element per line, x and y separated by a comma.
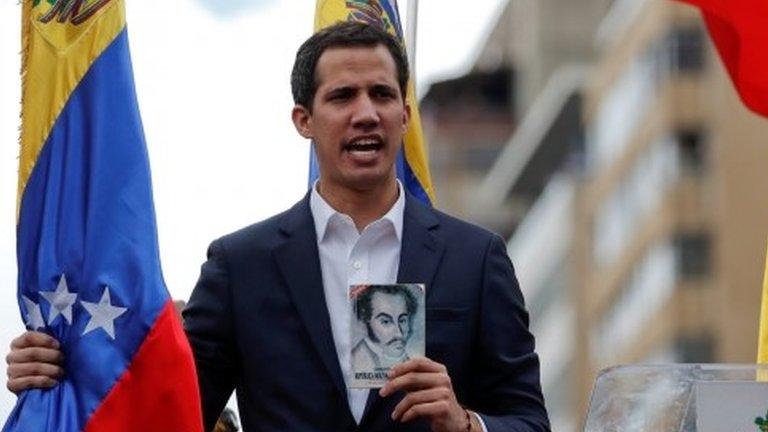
<point>266,317</point>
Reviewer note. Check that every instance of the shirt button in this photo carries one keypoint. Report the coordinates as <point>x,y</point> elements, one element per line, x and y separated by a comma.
<point>357,265</point>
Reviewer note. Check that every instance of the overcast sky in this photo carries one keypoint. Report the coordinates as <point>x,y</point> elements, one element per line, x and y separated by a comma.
<point>212,79</point>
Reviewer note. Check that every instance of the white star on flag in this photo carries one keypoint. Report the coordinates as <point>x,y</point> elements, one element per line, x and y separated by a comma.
<point>34,316</point>
<point>103,314</point>
<point>61,301</point>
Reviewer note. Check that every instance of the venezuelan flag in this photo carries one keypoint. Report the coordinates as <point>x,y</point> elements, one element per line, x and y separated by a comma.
<point>412,163</point>
<point>89,270</point>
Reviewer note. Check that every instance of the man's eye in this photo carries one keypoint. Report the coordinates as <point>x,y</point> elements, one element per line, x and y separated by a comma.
<point>385,321</point>
<point>383,94</point>
<point>340,95</point>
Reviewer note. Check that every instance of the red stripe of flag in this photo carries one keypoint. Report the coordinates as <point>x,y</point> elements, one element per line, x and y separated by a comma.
<point>157,371</point>
<point>739,29</point>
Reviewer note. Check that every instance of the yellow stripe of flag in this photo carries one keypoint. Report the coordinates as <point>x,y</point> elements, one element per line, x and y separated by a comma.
<point>416,146</point>
<point>55,57</point>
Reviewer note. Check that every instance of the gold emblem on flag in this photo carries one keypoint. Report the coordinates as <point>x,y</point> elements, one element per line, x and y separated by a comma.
<point>369,12</point>
<point>329,12</point>
<point>63,22</point>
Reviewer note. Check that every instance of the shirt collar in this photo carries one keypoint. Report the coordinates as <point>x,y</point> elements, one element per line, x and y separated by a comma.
<point>322,212</point>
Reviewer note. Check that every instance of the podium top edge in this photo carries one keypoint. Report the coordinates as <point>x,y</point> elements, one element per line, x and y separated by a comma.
<point>684,367</point>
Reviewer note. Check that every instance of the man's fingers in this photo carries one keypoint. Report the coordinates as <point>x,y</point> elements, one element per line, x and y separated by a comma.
<point>421,397</point>
<point>34,339</point>
<point>17,385</point>
<point>418,364</point>
<point>34,362</point>
<point>35,355</point>
<point>415,381</point>
<point>434,409</point>
<point>20,370</point>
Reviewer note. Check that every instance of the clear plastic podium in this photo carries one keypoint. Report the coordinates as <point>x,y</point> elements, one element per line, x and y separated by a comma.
<point>680,398</point>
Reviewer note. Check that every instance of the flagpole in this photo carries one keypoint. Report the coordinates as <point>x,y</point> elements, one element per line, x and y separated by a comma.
<point>410,35</point>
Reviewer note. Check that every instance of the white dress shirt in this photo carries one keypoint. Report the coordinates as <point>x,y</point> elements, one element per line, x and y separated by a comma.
<point>349,257</point>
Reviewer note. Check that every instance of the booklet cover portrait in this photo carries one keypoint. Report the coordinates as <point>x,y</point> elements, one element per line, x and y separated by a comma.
<point>387,329</point>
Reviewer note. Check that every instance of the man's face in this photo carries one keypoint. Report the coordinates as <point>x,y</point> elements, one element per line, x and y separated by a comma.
<point>358,117</point>
<point>390,323</point>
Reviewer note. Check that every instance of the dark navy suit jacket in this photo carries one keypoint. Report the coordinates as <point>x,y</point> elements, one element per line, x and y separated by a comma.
<point>257,321</point>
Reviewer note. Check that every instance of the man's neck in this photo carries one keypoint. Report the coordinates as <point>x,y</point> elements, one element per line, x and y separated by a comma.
<point>363,206</point>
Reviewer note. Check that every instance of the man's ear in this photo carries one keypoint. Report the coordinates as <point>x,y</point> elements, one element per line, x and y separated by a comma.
<point>406,117</point>
<point>302,121</point>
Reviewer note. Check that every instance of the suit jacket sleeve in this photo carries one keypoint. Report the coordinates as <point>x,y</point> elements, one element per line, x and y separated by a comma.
<point>506,390</point>
<point>209,326</point>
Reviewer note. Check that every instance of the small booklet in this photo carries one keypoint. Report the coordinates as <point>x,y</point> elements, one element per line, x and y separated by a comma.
<point>387,329</point>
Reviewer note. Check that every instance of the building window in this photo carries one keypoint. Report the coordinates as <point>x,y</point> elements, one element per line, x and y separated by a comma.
<point>647,290</point>
<point>695,348</point>
<point>690,143</point>
<point>694,252</point>
<point>686,49</point>
<point>620,114</point>
<point>477,158</point>
<point>636,197</point>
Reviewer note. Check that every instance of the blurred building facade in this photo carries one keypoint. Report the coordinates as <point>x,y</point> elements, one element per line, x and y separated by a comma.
<point>535,47</point>
<point>672,217</point>
<point>628,177</point>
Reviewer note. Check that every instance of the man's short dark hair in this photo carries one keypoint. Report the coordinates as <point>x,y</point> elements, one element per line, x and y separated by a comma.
<point>343,34</point>
<point>365,309</point>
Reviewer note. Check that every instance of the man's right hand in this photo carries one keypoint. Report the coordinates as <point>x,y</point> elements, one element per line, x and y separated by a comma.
<point>34,362</point>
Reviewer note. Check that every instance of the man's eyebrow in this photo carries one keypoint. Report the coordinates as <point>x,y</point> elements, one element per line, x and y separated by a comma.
<point>341,90</point>
<point>383,314</point>
<point>387,87</point>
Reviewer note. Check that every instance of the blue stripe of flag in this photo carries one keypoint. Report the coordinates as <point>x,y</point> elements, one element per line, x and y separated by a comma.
<point>87,212</point>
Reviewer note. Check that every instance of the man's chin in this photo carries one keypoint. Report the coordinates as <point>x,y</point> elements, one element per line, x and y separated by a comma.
<point>367,180</point>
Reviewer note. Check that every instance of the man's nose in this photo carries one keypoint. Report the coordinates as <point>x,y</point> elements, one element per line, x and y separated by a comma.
<point>366,114</point>
<point>400,332</point>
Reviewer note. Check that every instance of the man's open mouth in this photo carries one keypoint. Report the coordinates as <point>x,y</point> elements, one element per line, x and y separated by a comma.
<point>364,145</point>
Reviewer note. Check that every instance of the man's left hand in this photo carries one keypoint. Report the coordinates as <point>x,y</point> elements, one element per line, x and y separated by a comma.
<point>428,394</point>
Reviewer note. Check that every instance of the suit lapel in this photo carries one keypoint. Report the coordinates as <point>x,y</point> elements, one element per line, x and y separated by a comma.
<point>421,249</point>
<point>420,254</point>
<point>299,262</point>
